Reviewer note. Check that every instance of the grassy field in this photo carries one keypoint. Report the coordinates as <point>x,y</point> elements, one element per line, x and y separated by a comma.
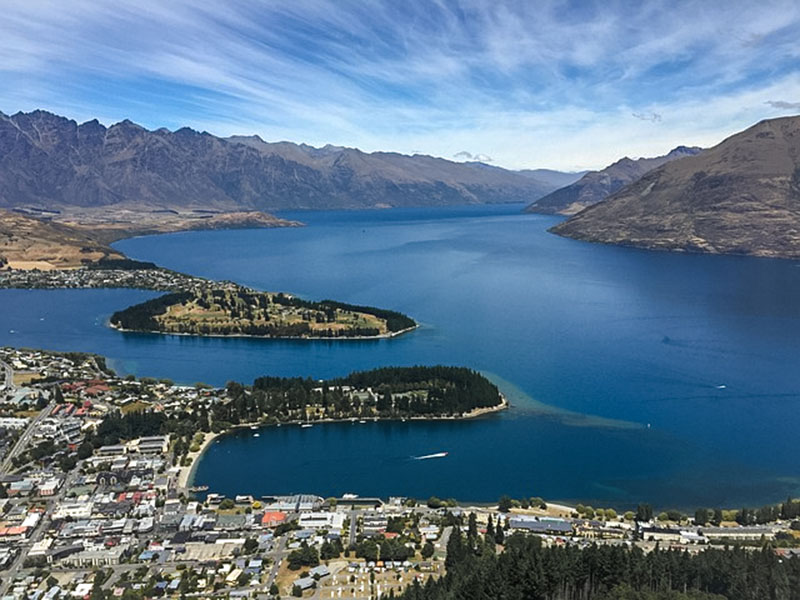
<point>214,316</point>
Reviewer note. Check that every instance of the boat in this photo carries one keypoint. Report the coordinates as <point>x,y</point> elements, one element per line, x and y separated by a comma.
<point>435,455</point>
<point>362,421</point>
<point>198,488</point>
<point>306,425</point>
<point>254,427</point>
<point>256,435</point>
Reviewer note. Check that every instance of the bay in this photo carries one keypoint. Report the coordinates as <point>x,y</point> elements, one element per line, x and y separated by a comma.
<point>634,375</point>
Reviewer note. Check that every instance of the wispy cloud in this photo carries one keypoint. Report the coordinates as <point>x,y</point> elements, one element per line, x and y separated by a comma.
<point>464,155</point>
<point>652,117</point>
<point>782,104</point>
<point>531,84</point>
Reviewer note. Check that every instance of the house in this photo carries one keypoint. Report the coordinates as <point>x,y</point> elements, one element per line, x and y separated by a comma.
<point>305,583</point>
<point>273,518</point>
<point>319,572</point>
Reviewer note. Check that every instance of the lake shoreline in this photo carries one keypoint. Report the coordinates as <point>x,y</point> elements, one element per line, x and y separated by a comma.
<point>382,336</point>
<point>186,476</point>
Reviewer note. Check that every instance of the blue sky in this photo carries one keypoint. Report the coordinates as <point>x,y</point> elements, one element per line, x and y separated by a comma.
<point>527,84</point>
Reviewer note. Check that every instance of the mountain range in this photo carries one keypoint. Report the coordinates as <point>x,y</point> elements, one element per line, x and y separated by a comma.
<point>51,163</point>
<point>739,197</point>
<point>596,186</point>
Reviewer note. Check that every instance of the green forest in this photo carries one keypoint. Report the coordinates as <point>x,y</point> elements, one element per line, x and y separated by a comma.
<point>527,570</point>
<point>397,392</point>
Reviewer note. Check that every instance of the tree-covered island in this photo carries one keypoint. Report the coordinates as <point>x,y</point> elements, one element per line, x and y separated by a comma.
<point>223,309</point>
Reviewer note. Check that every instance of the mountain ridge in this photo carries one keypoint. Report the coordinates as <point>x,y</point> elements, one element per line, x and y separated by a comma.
<point>51,161</point>
<point>740,197</point>
<point>596,186</point>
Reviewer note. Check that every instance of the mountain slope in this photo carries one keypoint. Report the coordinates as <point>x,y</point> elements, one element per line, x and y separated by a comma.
<point>51,162</point>
<point>740,197</point>
<point>27,243</point>
<point>596,186</point>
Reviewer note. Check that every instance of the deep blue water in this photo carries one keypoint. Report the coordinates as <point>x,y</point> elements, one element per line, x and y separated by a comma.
<point>634,337</point>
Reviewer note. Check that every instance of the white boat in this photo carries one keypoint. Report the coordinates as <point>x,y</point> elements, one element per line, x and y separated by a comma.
<point>435,455</point>
<point>362,421</point>
<point>254,427</point>
<point>256,435</point>
<point>306,425</point>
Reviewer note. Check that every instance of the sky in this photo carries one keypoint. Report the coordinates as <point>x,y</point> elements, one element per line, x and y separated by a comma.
<point>528,84</point>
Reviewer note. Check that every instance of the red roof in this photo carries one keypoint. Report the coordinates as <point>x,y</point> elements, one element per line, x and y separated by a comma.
<point>273,518</point>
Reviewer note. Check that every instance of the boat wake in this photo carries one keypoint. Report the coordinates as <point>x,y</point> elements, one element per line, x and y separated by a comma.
<point>428,456</point>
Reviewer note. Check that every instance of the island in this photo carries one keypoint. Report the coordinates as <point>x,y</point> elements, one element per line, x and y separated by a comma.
<point>228,309</point>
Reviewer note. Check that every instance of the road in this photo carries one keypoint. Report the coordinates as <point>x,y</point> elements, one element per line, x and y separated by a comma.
<point>8,375</point>
<point>23,440</point>
<point>351,540</point>
<point>278,554</point>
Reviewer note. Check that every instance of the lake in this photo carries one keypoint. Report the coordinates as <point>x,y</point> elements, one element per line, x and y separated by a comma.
<point>634,376</point>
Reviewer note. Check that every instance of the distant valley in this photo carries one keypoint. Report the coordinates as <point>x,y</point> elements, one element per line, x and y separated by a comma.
<point>596,186</point>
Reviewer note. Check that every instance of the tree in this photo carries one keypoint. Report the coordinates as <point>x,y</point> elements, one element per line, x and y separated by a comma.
<point>504,504</point>
<point>67,463</point>
<point>701,516</point>
<point>304,556</point>
<point>427,550</point>
<point>644,512</point>
<point>226,504</point>
<point>273,589</point>
<point>85,450</point>
<point>717,520</point>
<point>250,545</point>
<point>629,515</point>
<point>472,528</point>
<point>499,535</point>
<point>296,591</point>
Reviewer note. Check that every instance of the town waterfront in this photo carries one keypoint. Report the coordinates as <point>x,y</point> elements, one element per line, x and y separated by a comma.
<point>633,375</point>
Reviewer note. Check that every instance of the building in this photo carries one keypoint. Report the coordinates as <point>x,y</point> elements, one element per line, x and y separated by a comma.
<point>273,518</point>
<point>111,451</point>
<point>321,520</point>
<point>157,444</point>
<point>296,503</point>
<point>541,526</point>
<point>660,534</point>
<point>96,558</point>
<point>739,534</point>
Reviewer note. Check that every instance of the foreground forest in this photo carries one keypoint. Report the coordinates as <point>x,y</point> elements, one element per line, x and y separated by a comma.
<point>528,571</point>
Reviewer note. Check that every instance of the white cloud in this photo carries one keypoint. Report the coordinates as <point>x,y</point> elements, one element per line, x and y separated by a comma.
<point>531,84</point>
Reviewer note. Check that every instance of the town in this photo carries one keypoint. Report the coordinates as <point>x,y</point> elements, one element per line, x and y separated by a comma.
<point>97,502</point>
<point>110,273</point>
